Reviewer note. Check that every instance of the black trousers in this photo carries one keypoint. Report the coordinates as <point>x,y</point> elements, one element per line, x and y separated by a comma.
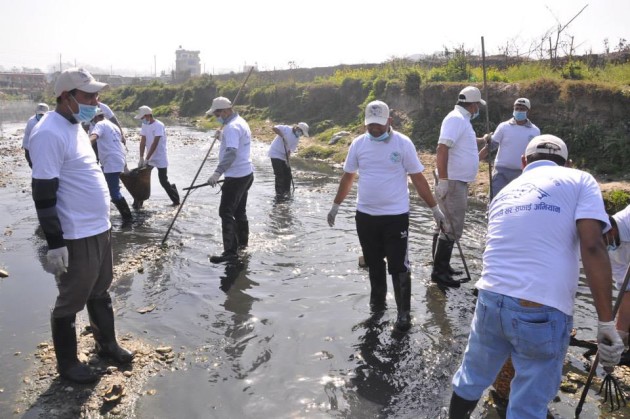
<point>170,189</point>
<point>384,237</point>
<point>283,175</point>
<point>233,209</point>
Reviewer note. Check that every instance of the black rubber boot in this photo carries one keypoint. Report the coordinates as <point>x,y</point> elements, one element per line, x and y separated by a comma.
<point>402,293</point>
<point>441,273</point>
<point>461,408</point>
<point>242,233</point>
<point>450,268</point>
<point>230,245</point>
<point>64,336</point>
<point>102,322</point>
<point>123,208</point>
<point>378,287</point>
<point>173,194</point>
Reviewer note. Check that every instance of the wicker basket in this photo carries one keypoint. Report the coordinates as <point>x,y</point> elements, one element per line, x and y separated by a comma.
<point>504,378</point>
<point>138,182</point>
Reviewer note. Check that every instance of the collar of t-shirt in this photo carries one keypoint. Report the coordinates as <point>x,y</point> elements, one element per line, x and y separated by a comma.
<point>70,118</point>
<point>527,124</point>
<point>538,163</point>
<point>623,224</point>
<point>230,118</point>
<point>463,111</point>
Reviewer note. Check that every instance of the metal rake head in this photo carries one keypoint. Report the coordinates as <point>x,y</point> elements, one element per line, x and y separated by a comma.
<point>612,391</point>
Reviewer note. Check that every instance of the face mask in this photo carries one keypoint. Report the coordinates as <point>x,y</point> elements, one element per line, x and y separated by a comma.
<point>380,138</point>
<point>145,122</point>
<point>38,117</point>
<point>298,133</point>
<point>520,115</point>
<point>221,120</point>
<point>86,112</point>
<point>476,114</point>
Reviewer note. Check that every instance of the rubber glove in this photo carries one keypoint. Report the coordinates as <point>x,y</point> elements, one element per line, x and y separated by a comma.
<point>212,180</point>
<point>438,216</point>
<point>609,344</point>
<point>442,189</point>
<point>141,162</point>
<point>332,214</point>
<point>57,260</point>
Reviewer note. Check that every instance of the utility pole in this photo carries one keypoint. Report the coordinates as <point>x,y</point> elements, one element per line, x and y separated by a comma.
<point>154,66</point>
<point>60,63</point>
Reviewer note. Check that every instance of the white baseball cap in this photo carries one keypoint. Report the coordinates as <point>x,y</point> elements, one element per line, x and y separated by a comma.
<point>219,103</point>
<point>523,101</point>
<point>376,112</point>
<point>143,111</point>
<point>304,127</point>
<point>471,94</point>
<point>41,109</point>
<point>77,78</point>
<point>547,144</point>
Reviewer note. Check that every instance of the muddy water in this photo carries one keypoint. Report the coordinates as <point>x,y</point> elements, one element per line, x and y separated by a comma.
<point>285,333</point>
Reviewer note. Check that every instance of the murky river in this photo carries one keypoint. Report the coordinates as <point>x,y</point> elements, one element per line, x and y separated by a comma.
<point>287,333</point>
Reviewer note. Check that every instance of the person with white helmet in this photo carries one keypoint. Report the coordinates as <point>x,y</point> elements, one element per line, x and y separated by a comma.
<point>40,111</point>
<point>153,141</point>
<point>72,203</point>
<point>511,138</point>
<point>285,143</point>
<point>112,159</point>
<point>235,164</point>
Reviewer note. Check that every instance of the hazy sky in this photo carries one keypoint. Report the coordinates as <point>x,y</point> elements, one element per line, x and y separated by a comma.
<point>136,37</point>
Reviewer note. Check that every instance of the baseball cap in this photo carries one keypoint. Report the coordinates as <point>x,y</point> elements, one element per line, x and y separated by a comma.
<point>143,111</point>
<point>471,94</point>
<point>304,127</point>
<point>41,109</point>
<point>523,101</point>
<point>219,103</point>
<point>376,112</point>
<point>77,78</point>
<point>547,144</point>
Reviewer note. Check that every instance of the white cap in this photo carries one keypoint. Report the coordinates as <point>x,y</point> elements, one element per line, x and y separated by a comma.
<point>471,94</point>
<point>523,101</point>
<point>219,103</point>
<point>304,127</point>
<point>41,109</point>
<point>143,111</point>
<point>376,112</point>
<point>77,78</point>
<point>547,144</point>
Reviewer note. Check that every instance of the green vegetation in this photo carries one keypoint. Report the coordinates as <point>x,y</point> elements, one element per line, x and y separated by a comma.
<point>616,200</point>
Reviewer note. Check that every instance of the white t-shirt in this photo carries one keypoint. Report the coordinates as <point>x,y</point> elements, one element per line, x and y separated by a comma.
<point>532,245</point>
<point>620,258</point>
<point>512,140</point>
<point>458,134</point>
<point>151,131</point>
<point>60,149</point>
<point>236,134</point>
<point>111,151</point>
<point>32,121</point>
<point>107,111</point>
<point>277,149</point>
<point>383,167</point>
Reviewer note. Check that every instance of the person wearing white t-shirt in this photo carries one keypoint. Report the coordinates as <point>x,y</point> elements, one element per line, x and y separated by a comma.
<point>111,116</point>
<point>40,111</point>
<point>112,159</point>
<point>511,137</point>
<point>235,164</point>
<point>457,163</point>
<point>384,158</point>
<point>618,245</point>
<point>153,139</point>
<point>285,143</point>
<point>538,227</point>
<point>72,203</point>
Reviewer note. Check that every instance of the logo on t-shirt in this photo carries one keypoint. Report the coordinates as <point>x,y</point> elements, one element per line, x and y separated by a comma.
<point>395,157</point>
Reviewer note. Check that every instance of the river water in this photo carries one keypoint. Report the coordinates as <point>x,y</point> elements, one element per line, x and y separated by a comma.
<point>287,333</point>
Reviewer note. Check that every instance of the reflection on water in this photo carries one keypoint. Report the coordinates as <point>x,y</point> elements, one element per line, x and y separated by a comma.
<point>287,332</point>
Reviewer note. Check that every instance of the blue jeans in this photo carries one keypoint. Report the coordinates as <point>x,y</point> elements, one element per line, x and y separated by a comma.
<point>113,184</point>
<point>537,338</point>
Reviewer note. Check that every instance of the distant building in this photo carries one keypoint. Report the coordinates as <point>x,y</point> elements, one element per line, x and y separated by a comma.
<point>187,64</point>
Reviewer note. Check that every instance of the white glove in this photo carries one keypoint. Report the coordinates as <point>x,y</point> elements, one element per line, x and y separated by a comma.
<point>438,217</point>
<point>332,214</point>
<point>442,189</point>
<point>141,162</point>
<point>609,344</point>
<point>57,260</point>
<point>212,180</point>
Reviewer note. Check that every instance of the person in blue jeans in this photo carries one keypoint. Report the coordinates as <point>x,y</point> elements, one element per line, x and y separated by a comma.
<point>538,226</point>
